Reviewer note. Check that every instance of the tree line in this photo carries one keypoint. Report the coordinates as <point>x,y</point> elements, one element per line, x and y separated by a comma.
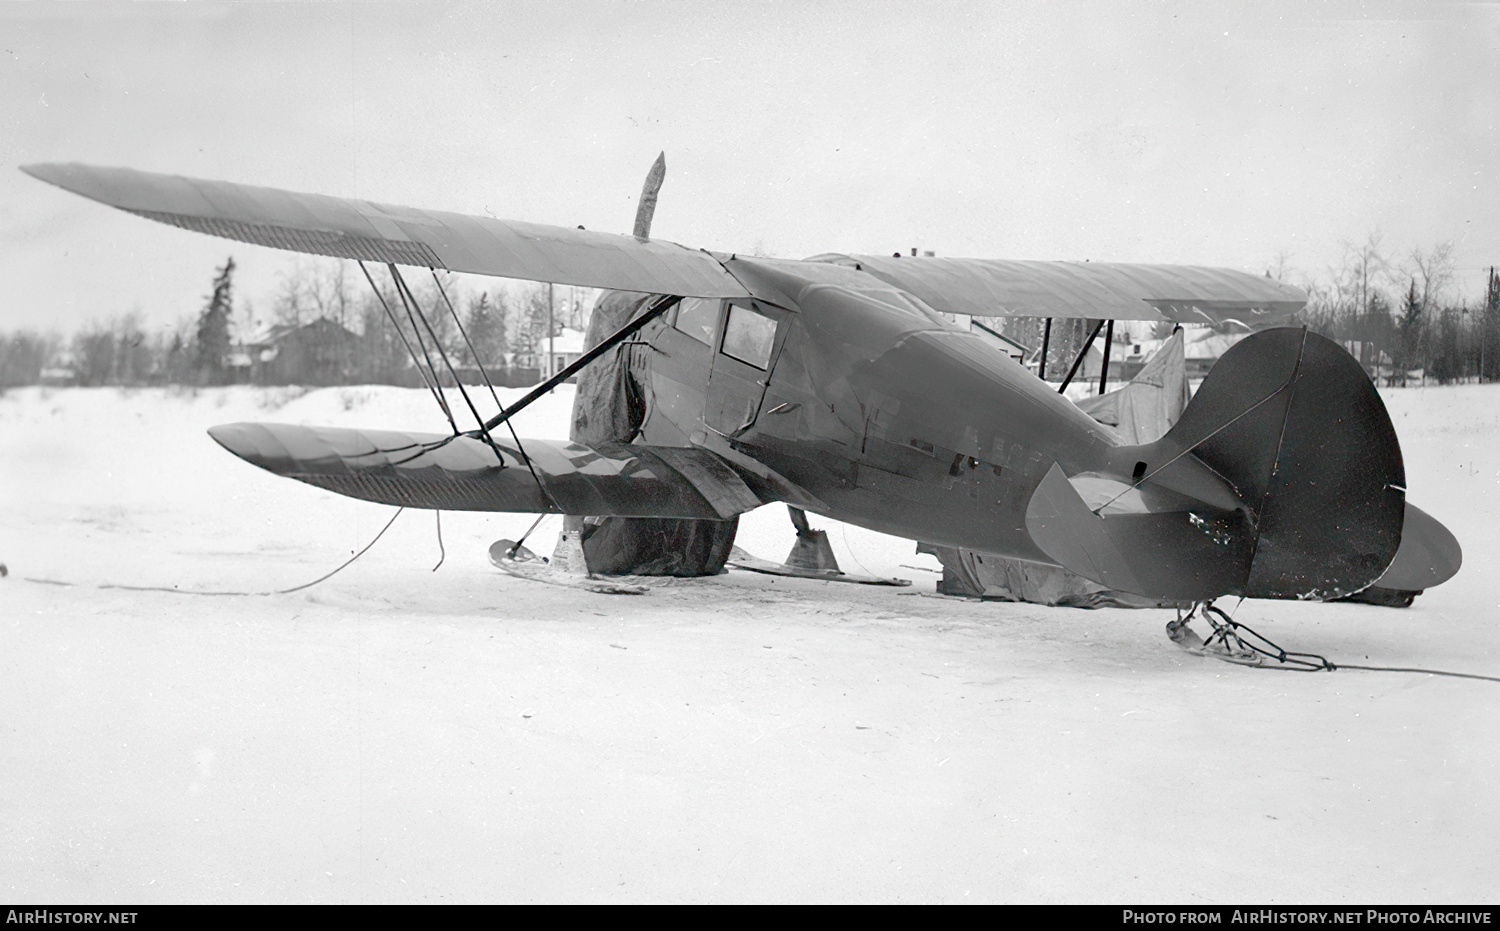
<point>1399,314</point>
<point>325,326</point>
<point>1401,317</point>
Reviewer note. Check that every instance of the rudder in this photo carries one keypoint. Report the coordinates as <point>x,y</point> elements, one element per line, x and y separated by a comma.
<point>1295,425</point>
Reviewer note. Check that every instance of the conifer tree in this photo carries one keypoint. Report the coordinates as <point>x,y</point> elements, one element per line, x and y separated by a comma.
<point>213,329</point>
<point>1489,333</point>
<point>1410,335</point>
<point>486,329</point>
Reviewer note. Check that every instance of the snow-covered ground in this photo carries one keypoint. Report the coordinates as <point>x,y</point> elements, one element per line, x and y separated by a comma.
<point>403,735</point>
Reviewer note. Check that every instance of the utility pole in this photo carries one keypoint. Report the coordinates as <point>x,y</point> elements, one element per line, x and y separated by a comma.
<point>550,355</point>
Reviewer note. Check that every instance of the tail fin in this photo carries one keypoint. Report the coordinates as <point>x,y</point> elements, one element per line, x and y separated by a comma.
<point>1292,428</point>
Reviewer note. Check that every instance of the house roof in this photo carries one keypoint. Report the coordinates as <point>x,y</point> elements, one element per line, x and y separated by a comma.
<point>277,332</point>
<point>568,342</point>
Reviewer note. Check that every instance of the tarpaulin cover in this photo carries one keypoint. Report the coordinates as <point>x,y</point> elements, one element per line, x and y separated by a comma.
<point>1145,409</point>
<point>610,406</point>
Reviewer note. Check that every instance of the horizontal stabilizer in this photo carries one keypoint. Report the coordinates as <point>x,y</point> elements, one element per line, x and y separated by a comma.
<point>1185,553</point>
<point>344,227</point>
<point>463,473</point>
<point>1429,554</point>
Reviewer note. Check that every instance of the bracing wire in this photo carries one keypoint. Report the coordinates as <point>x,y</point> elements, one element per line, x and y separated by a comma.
<point>390,315</point>
<point>1197,443</point>
<point>845,531</point>
<point>530,468</point>
<point>432,382</point>
<point>484,428</point>
<point>417,331</point>
<point>467,342</point>
<point>442,353</point>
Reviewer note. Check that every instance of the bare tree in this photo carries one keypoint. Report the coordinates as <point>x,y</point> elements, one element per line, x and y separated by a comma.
<point>1281,265</point>
<point>1433,271</point>
<point>290,303</point>
<point>94,354</point>
<point>23,355</point>
<point>113,352</point>
<point>1355,306</point>
<point>315,289</point>
<point>134,360</point>
<point>244,323</point>
<point>178,352</point>
<point>528,326</point>
<point>1366,269</point>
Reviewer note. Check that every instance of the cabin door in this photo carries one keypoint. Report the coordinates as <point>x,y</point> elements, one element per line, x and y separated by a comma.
<point>749,338</point>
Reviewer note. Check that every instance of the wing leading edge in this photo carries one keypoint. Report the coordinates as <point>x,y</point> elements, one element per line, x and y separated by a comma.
<point>426,470</point>
<point>348,228</point>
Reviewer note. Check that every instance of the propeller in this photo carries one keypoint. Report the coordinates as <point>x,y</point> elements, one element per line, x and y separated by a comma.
<point>646,209</point>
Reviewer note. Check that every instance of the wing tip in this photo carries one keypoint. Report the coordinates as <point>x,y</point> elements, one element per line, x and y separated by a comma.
<point>42,171</point>
<point>234,438</point>
<point>90,181</point>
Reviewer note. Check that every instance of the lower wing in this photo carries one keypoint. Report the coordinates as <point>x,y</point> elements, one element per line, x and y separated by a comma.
<point>465,473</point>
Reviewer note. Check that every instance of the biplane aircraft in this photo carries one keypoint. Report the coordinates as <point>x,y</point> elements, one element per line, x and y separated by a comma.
<point>837,385</point>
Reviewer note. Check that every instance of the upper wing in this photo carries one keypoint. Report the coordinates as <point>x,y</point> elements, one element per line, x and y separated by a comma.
<point>357,229</point>
<point>1000,288</point>
<point>461,473</point>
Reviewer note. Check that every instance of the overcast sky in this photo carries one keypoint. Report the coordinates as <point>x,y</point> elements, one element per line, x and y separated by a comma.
<point>1192,133</point>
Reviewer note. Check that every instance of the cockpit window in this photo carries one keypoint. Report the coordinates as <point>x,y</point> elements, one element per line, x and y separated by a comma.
<point>697,316</point>
<point>749,336</point>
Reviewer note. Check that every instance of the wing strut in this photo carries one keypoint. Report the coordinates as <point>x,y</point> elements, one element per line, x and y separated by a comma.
<point>1109,342</point>
<point>663,303</point>
<point>1041,366</point>
<point>1082,353</point>
<point>484,431</point>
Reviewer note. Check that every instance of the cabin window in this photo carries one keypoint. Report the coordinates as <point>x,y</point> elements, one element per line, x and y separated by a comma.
<point>696,316</point>
<point>749,336</point>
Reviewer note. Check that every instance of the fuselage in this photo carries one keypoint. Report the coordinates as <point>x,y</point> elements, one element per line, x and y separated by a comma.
<point>886,414</point>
